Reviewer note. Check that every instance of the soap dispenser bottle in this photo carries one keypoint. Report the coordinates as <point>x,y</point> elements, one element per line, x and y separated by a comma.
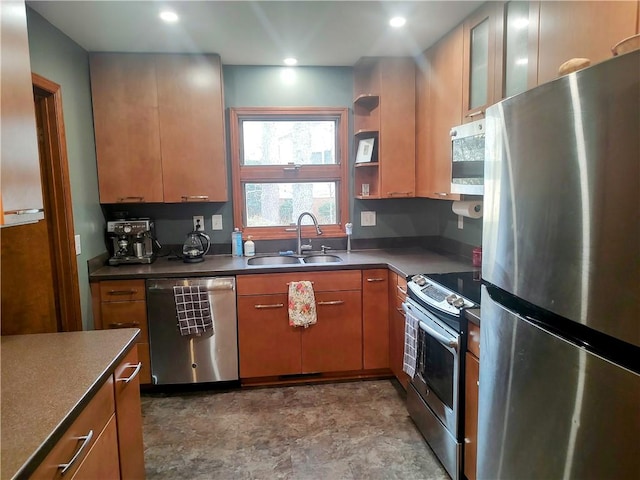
<point>249,247</point>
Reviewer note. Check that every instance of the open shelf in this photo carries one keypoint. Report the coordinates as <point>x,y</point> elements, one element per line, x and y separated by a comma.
<point>367,101</point>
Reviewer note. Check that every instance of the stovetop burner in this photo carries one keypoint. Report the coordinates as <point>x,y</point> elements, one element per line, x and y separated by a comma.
<point>466,284</point>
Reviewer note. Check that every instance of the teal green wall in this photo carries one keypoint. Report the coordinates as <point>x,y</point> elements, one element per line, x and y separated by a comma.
<point>59,59</point>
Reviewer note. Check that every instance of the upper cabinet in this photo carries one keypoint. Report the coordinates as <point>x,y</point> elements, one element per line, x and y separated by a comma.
<point>384,110</point>
<point>159,125</point>
<point>479,61</point>
<point>581,29</point>
<point>20,175</point>
<point>439,106</point>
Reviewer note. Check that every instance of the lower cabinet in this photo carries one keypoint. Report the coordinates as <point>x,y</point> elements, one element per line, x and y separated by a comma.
<point>105,440</point>
<point>472,385</point>
<point>397,295</point>
<point>375,318</point>
<point>122,304</point>
<point>269,346</point>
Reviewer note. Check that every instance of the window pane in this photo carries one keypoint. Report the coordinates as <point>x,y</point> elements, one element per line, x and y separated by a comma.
<point>275,204</point>
<point>272,142</point>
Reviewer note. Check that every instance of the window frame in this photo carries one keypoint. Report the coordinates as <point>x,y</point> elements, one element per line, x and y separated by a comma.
<point>338,172</point>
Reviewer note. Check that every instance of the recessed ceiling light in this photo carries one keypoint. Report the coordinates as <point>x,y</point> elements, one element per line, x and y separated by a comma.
<point>169,16</point>
<point>290,61</point>
<point>397,22</point>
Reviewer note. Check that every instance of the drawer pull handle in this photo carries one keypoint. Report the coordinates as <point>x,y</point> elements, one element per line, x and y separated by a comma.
<point>475,114</point>
<point>187,198</point>
<point>402,290</point>
<point>375,279</point>
<point>124,325</point>
<point>274,305</point>
<point>28,211</point>
<point>122,292</point>
<point>128,199</point>
<point>289,283</point>
<point>331,302</point>
<point>133,375</point>
<point>86,440</point>
<point>399,194</point>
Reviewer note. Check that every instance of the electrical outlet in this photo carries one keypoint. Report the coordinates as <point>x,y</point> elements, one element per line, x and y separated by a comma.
<point>368,219</point>
<point>198,220</point>
<point>460,222</point>
<point>216,222</point>
<point>78,245</point>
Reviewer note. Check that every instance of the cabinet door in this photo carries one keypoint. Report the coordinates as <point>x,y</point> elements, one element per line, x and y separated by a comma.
<point>397,148</point>
<point>479,61</point>
<point>445,107</point>
<point>268,346</point>
<point>581,29</point>
<point>102,459</point>
<point>396,339</point>
<point>21,186</point>
<point>192,128</point>
<point>125,112</point>
<point>129,418</point>
<point>375,318</point>
<point>334,343</point>
<point>471,416</point>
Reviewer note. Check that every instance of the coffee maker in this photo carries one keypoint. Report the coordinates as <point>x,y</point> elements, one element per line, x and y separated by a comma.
<point>131,241</point>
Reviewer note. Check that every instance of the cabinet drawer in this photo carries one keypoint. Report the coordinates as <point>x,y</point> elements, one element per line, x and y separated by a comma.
<point>126,315</point>
<point>91,421</point>
<point>122,290</point>
<point>264,284</point>
<point>473,343</point>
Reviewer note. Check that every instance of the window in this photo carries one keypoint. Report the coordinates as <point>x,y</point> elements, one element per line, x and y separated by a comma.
<point>286,161</point>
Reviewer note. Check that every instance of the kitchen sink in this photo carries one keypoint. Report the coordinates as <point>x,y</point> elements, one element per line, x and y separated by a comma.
<point>273,260</point>
<point>322,258</point>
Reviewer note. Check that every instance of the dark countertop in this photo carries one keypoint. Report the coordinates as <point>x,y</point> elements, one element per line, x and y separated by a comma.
<point>47,380</point>
<point>402,261</point>
<point>473,315</point>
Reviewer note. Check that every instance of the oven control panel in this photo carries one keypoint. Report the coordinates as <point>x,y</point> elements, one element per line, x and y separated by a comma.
<point>423,289</point>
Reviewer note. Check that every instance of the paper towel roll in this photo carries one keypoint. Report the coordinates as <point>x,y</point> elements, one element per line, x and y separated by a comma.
<point>471,209</point>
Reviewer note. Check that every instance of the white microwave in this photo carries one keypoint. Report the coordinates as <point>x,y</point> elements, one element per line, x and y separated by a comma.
<point>467,158</point>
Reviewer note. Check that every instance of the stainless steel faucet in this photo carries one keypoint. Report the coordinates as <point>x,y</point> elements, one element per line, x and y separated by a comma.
<point>299,228</point>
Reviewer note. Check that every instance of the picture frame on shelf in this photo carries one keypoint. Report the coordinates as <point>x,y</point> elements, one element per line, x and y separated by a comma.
<point>365,150</point>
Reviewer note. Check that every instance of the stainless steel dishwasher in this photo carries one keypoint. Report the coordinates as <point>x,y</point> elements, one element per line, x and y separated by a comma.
<point>208,357</point>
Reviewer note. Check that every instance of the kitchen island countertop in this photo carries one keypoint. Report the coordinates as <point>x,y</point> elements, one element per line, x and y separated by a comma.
<point>403,261</point>
<point>47,379</point>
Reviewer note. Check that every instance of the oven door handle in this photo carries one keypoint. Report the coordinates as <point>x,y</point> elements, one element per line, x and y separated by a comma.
<point>450,342</point>
<point>447,341</point>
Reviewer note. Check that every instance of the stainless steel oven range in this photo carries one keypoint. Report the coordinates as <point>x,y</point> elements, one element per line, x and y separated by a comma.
<point>436,392</point>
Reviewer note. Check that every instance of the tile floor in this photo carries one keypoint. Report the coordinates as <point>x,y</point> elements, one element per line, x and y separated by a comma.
<point>353,430</point>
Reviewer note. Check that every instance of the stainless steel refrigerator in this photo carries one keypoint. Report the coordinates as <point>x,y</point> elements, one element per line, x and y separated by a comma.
<point>559,393</point>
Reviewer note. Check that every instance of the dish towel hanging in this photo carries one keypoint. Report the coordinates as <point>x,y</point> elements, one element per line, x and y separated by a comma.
<point>193,309</point>
<point>411,326</point>
<point>302,304</point>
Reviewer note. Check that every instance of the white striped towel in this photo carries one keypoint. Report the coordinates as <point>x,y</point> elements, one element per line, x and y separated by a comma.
<point>411,326</point>
<point>192,309</point>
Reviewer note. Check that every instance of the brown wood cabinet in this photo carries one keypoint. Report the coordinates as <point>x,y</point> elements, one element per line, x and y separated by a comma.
<point>21,188</point>
<point>129,418</point>
<point>397,295</point>
<point>384,109</point>
<point>89,440</point>
<point>581,29</point>
<point>159,127</point>
<point>439,88</point>
<point>375,318</point>
<point>122,304</point>
<point>269,346</point>
<point>472,383</point>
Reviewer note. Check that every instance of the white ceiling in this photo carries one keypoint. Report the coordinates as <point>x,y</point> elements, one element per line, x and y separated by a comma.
<point>318,33</point>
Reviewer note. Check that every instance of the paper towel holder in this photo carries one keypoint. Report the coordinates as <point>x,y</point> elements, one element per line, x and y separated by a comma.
<point>469,209</point>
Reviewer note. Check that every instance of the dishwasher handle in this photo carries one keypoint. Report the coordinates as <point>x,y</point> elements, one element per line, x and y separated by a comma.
<point>212,288</point>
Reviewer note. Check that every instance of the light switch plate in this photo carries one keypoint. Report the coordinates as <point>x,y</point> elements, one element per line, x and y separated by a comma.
<point>78,244</point>
<point>216,222</point>
<point>460,222</point>
<point>368,219</point>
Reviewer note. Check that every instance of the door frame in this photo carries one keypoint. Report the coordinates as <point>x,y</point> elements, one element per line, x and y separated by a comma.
<point>54,167</point>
